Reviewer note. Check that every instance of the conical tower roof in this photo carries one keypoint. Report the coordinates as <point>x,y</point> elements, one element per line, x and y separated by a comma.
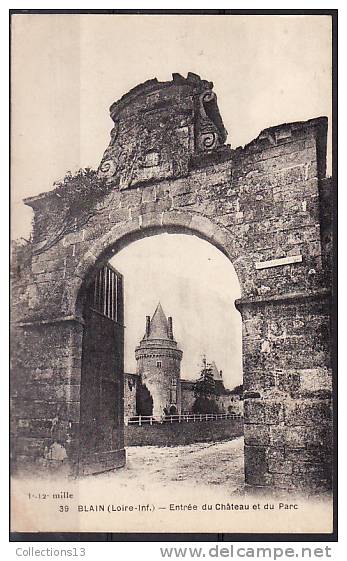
<point>159,325</point>
<point>216,374</point>
<point>158,336</point>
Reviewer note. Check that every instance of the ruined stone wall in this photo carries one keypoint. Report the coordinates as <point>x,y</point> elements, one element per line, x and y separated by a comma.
<point>45,395</point>
<point>288,438</point>
<point>262,206</point>
<point>179,434</point>
<point>226,403</point>
<point>187,396</point>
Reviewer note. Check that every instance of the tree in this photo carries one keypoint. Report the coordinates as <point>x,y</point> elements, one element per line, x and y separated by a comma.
<point>204,405</point>
<point>205,391</point>
<point>144,400</point>
<point>205,386</point>
<point>237,390</point>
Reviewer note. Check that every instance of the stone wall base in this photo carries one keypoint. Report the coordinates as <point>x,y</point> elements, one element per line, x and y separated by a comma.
<point>101,462</point>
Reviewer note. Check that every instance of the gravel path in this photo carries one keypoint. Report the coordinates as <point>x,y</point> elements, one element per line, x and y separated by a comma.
<point>198,466</point>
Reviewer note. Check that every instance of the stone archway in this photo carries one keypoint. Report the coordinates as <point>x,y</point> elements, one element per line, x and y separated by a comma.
<point>263,205</point>
<point>182,222</point>
<point>99,254</point>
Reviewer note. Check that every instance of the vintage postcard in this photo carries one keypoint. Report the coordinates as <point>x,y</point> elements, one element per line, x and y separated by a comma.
<point>172,273</point>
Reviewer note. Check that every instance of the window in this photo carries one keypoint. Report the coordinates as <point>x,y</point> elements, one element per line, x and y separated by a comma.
<point>173,390</point>
<point>158,363</point>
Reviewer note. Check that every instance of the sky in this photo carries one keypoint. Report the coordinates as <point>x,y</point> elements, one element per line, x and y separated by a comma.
<point>66,72</point>
<point>196,285</point>
<point>68,69</point>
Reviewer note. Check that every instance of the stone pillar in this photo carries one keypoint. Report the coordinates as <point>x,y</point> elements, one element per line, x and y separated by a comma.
<point>46,394</point>
<point>287,384</point>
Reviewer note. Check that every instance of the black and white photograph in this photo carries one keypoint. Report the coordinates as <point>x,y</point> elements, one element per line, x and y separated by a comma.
<point>172,273</point>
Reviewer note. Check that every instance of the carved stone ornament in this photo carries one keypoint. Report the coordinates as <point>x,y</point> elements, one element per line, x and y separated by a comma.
<point>210,132</point>
<point>107,168</point>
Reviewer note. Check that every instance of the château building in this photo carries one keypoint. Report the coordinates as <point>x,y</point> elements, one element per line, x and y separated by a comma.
<point>158,368</point>
<point>157,387</point>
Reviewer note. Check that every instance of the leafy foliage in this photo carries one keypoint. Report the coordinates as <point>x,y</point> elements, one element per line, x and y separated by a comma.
<point>237,390</point>
<point>20,256</point>
<point>81,191</point>
<point>144,401</point>
<point>78,193</point>
<point>205,391</point>
<point>205,386</point>
<point>204,405</point>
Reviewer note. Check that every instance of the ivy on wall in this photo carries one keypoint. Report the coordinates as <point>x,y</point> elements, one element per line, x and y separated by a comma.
<point>81,191</point>
<point>79,195</point>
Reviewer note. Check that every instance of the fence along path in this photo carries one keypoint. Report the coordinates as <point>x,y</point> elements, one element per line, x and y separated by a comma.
<point>185,418</point>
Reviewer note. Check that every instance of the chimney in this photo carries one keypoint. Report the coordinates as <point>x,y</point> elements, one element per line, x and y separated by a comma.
<point>148,325</point>
<point>169,331</point>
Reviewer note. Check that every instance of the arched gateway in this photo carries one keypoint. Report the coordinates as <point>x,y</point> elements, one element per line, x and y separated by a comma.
<point>264,206</point>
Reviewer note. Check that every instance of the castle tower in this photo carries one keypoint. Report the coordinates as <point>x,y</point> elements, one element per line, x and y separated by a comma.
<point>159,366</point>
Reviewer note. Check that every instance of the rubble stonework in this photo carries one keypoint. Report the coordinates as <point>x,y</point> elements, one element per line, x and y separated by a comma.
<point>169,171</point>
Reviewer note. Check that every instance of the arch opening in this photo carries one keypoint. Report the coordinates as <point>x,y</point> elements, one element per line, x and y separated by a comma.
<point>197,295</point>
<point>119,237</point>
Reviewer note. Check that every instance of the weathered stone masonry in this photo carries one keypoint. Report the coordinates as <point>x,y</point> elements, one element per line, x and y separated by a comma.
<point>170,171</point>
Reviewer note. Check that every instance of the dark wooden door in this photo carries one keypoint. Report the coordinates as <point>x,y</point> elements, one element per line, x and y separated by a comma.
<point>102,413</point>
